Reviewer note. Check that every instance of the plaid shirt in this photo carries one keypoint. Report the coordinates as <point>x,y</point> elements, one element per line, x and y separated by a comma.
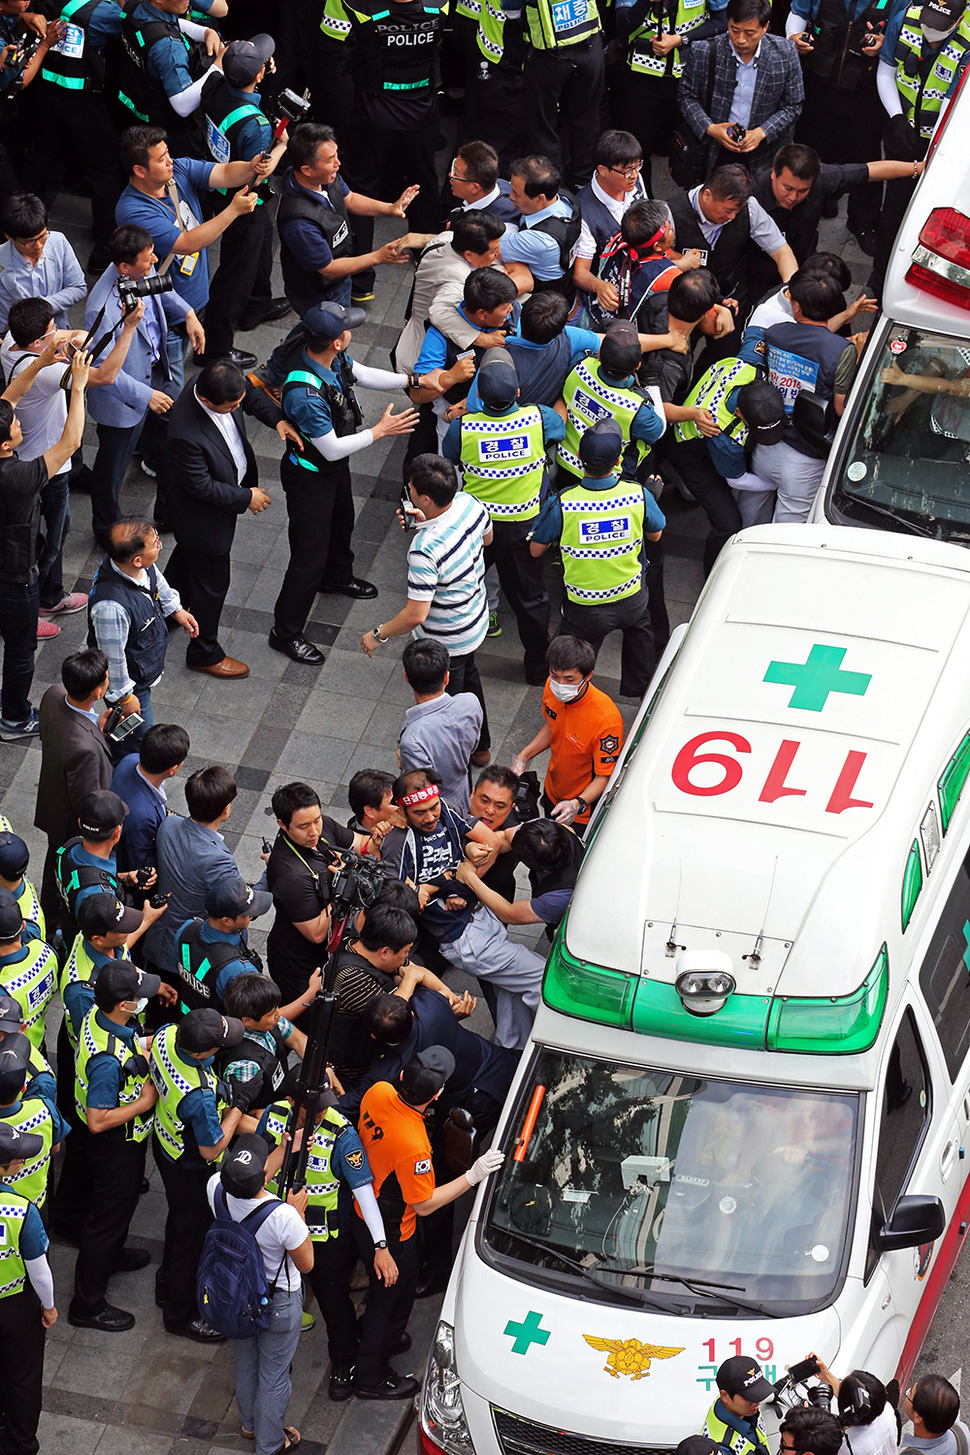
<point>778,92</point>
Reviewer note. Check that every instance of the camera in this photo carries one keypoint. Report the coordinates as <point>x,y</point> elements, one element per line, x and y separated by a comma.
<point>359,882</point>
<point>820,1396</point>
<point>289,107</point>
<point>737,133</point>
<point>131,289</point>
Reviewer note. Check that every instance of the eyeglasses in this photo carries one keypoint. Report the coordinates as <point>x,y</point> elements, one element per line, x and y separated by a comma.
<point>26,242</point>
<point>629,174</point>
<point>454,175</point>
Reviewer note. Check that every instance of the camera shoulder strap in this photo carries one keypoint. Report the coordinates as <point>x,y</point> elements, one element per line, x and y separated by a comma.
<point>173,195</point>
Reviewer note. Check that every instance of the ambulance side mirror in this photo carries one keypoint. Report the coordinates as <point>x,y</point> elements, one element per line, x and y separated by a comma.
<point>810,418</point>
<point>916,1219</point>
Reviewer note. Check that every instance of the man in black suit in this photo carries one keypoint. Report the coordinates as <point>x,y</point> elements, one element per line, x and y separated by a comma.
<point>75,760</point>
<point>215,479</point>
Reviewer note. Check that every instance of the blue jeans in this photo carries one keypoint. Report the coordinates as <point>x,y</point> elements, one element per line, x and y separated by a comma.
<point>18,628</point>
<point>263,1381</point>
<point>55,504</point>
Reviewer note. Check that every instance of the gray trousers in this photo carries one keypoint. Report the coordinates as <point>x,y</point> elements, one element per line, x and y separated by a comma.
<point>795,476</point>
<point>484,950</point>
<point>263,1383</point>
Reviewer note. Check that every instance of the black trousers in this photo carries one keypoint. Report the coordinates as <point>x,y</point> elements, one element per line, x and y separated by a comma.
<point>692,461</point>
<point>496,108</point>
<point>320,523</point>
<point>371,154</point>
<point>116,1167</point>
<point>845,126</point>
<point>463,677</point>
<point>387,1310</point>
<point>93,155</point>
<point>22,1338</point>
<point>646,106</point>
<point>242,281</point>
<point>69,1208</point>
<point>564,93</point>
<point>522,577</point>
<point>202,581</point>
<point>188,1220</point>
<point>631,616</point>
<point>329,1278</point>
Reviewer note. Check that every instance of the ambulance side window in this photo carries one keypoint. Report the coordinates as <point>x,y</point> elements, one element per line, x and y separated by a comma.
<point>945,976</point>
<point>905,1113</point>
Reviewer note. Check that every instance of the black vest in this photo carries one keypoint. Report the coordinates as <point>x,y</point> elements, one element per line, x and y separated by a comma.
<point>726,258</point>
<point>598,218</point>
<point>303,284</point>
<point>72,878</point>
<point>137,91</point>
<point>350,1042</point>
<point>198,988</point>
<point>501,207</point>
<point>396,53</point>
<point>273,1065</point>
<point>346,414</point>
<point>84,72</point>
<point>837,56</point>
<point>542,372</point>
<point>147,632</point>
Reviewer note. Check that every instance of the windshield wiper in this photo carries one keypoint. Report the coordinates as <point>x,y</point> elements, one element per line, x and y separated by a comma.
<point>883,510</point>
<point>698,1286</point>
<point>634,1295</point>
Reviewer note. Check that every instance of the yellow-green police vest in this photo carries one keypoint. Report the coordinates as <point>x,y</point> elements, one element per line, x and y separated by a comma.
<point>322,1182</point>
<point>640,56</point>
<point>589,399</point>
<point>724,1434</point>
<point>80,968</point>
<point>34,1117</point>
<point>30,908</point>
<point>32,982</point>
<point>938,82</point>
<point>336,21</point>
<point>173,1081</point>
<point>601,541</point>
<point>94,1040</point>
<point>13,1213</point>
<point>555,23</point>
<point>491,31</point>
<point>711,392</point>
<point>503,457</point>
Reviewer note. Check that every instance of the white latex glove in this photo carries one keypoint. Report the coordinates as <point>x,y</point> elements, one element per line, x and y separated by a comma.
<point>487,1163</point>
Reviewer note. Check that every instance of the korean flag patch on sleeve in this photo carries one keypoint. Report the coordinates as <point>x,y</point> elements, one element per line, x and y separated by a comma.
<point>423,1166</point>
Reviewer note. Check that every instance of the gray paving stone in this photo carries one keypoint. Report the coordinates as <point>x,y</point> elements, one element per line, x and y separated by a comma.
<point>64,1435</point>
<point>327,711</point>
<point>308,755</point>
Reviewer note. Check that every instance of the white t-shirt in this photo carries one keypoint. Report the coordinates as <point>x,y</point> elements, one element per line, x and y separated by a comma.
<point>284,1229</point>
<point>43,409</point>
<point>879,1438</point>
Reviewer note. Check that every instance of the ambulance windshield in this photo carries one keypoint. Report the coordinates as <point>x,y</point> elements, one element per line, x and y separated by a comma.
<point>905,467</point>
<point>653,1181</point>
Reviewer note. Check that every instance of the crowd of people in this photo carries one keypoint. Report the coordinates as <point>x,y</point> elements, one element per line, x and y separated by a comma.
<point>573,345</point>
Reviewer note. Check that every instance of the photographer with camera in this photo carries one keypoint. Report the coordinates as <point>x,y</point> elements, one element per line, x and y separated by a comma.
<point>132,409</point>
<point>868,1418</point>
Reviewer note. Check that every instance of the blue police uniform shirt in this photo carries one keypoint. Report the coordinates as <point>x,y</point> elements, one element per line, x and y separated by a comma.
<point>434,350</point>
<point>190,274</point>
<point>582,341</point>
<point>726,454</point>
<point>33,1235</point>
<point>80,858</point>
<point>553,428</point>
<point>168,60</point>
<point>78,997</point>
<point>309,411</point>
<point>548,527</point>
<point>61,1127</point>
<point>209,936</point>
<point>255,135</point>
<point>537,250</point>
<point>894,25</point>
<point>104,1070</point>
<point>44,1088</point>
<point>104,24</point>
<point>31,929</point>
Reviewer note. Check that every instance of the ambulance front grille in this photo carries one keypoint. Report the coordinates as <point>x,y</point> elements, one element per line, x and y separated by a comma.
<point>525,1437</point>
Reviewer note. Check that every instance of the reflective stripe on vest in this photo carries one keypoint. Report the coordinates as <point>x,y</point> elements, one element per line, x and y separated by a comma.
<point>32,982</point>
<point>491,32</point>
<point>81,969</point>
<point>336,21</point>
<point>711,392</point>
<point>556,23</point>
<point>602,536</point>
<point>29,906</point>
<point>640,57</point>
<point>94,1040</point>
<point>589,399</point>
<point>31,1181</point>
<point>938,82</point>
<point>64,62</point>
<point>322,1182</point>
<point>13,1211</point>
<point>503,457</point>
<point>173,1081</point>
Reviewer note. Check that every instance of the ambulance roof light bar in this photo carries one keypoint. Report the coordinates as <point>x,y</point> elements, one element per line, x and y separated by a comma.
<point>941,260</point>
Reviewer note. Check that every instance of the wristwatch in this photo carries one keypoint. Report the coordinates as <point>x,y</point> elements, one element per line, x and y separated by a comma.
<point>381,1244</point>
<point>376,634</point>
<point>583,807</point>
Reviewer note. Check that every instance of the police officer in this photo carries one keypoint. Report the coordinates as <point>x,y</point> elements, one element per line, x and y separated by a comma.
<point>211,952</point>
<point>28,967</point>
<point>40,1078</point>
<point>241,293</point>
<point>114,1096</point>
<point>14,860</point>
<point>337,1162</point>
<point>709,464</point>
<point>734,1419</point>
<point>600,524</point>
<point>32,1116</point>
<point>924,54</point>
<point>318,398</point>
<point>193,1126</point>
<point>655,35</point>
<point>86,864</point>
<point>159,71</point>
<point>25,1313</point>
<point>605,388</point>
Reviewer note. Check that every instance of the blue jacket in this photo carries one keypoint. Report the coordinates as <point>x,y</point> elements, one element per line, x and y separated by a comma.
<point>124,403</point>
<point>146,811</point>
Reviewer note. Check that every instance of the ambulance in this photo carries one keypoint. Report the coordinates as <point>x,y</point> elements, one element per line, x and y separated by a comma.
<point>739,1126</point>
<point>901,456</point>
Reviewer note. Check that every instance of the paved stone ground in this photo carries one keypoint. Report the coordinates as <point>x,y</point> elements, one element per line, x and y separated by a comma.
<point>144,1392</point>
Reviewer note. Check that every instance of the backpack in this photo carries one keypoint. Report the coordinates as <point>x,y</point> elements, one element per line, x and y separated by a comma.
<point>232,1289</point>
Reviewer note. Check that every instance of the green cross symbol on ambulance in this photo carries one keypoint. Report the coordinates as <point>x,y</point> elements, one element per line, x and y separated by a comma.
<point>816,678</point>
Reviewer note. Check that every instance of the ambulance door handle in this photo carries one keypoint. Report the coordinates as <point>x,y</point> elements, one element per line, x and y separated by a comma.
<point>947,1160</point>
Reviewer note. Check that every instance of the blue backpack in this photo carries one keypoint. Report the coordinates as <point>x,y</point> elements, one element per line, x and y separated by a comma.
<point>232,1289</point>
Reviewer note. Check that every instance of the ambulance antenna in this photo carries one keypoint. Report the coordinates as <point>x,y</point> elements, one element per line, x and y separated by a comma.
<point>672,947</point>
<point>755,957</point>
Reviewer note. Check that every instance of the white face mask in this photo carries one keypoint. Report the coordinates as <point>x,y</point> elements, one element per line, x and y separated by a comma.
<point>565,691</point>
<point>139,1004</point>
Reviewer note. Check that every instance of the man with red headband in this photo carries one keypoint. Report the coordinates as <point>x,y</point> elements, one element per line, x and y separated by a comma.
<point>427,851</point>
<point>636,264</point>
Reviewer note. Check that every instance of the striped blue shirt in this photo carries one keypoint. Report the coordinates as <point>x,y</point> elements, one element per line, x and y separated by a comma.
<point>446,566</point>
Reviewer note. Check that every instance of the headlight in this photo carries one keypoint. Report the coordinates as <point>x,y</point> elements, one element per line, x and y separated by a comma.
<point>443,1424</point>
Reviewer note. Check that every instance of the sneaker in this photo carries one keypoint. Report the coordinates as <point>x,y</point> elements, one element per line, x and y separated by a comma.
<point>494,629</point>
<point>307,1321</point>
<point>74,601</point>
<point>46,629</point>
<point>259,378</point>
<point>12,732</point>
<point>361,297</point>
<point>146,469</point>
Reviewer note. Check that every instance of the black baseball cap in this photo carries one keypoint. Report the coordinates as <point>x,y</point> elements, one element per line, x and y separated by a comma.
<point>426,1073</point>
<point>741,1375</point>
<point>14,1065</point>
<point>11,918</point>
<point>938,17</point>
<point>698,1445</point>
<point>14,856</point>
<point>242,1170</point>
<point>327,321</point>
<point>232,897</point>
<point>244,59</point>
<point>121,980</point>
<point>620,351</point>
<point>11,1014</point>
<point>17,1146</point>
<point>101,812</point>
<point>104,914</point>
<point>602,445</point>
<point>498,383</point>
<point>203,1029</point>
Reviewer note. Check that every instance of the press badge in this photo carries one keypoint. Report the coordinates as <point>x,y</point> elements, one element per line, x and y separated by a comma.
<point>187,264</point>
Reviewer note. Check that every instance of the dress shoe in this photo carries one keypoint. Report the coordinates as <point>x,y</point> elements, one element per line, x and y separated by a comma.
<point>239,357</point>
<point>227,668</point>
<point>395,1386</point>
<point>866,238</point>
<point>298,649</point>
<point>131,1259</point>
<point>431,1281</point>
<point>110,1320</point>
<point>198,1330</point>
<point>278,308</point>
<point>355,588</point>
<point>481,758</point>
<point>341,1384</point>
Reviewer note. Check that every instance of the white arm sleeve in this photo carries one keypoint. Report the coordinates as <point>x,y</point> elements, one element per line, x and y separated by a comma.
<point>795,24</point>
<point>888,90</point>
<point>378,378</point>
<point>370,1212</point>
<point>192,29</point>
<point>334,447</point>
<point>41,1278</point>
<point>187,101</point>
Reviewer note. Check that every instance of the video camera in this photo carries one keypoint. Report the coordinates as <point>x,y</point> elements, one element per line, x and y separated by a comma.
<point>358,881</point>
<point>130,290</point>
<point>289,107</point>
